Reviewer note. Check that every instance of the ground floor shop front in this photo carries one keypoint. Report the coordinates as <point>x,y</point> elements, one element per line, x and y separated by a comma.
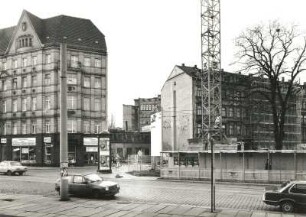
<point>44,150</point>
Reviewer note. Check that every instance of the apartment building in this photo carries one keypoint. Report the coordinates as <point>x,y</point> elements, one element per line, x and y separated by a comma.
<point>30,88</point>
<point>246,116</point>
<point>137,117</point>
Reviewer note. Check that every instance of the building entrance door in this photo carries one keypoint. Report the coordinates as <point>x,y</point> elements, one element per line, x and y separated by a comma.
<point>91,158</point>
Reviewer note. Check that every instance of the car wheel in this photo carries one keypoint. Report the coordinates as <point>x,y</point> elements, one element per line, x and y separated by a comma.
<point>20,173</point>
<point>96,194</point>
<point>287,206</point>
<point>9,173</point>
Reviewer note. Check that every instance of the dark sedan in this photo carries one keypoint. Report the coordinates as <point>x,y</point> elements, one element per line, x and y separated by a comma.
<point>89,185</point>
<point>290,197</point>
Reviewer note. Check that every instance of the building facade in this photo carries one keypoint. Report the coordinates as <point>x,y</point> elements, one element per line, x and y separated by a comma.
<point>246,116</point>
<point>30,88</point>
<point>137,117</point>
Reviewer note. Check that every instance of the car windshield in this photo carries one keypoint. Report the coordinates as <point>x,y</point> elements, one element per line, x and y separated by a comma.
<point>15,164</point>
<point>286,186</point>
<point>93,178</point>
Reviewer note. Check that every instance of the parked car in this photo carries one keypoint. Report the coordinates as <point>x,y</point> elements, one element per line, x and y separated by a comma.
<point>89,185</point>
<point>289,197</point>
<point>12,168</point>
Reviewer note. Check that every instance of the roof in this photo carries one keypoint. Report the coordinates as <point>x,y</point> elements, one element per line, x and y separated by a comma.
<point>192,71</point>
<point>76,32</point>
<point>5,37</point>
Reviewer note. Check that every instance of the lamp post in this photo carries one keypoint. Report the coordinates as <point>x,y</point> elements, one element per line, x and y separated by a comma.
<point>63,126</point>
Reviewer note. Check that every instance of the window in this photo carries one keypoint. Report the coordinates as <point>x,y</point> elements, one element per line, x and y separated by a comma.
<point>34,80</point>
<point>33,127</point>
<point>4,66</point>
<point>87,61</point>
<point>199,110</point>
<point>24,104</point>
<point>86,81</point>
<point>24,62</point>
<point>35,61</point>
<point>71,79</point>
<point>298,189</point>
<point>47,103</point>
<point>231,112</point>
<point>15,131</point>
<point>238,112</point>
<point>4,85</point>
<point>97,128</point>
<point>24,82</point>
<point>238,130</point>
<point>223,112</point>
<point>6,128</point>
<point>48,126</point>
<point>97,63</point>
<point>104,103</point>
<point>104,62</point>
<point>86,127</point>
<point>97,105</point>
<point>231,130</point>
<point>25,41</point>
<point>71,102</point>
<point>48,58</point>
<point>47,79</point>
<point>103,82</point>
<point>14,83</point>
<point>34,103</point>
<point>15,64</point>
<point>15,105</point>
<point>24,128</point>
<point>97,82</point>
<point>71,126</point>
<point>78,179</point>
<point>74,61</point>
<point>4,106</point>
<point>86,104</point>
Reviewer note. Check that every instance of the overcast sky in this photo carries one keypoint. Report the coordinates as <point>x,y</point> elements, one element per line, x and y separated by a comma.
<point>147,38</point>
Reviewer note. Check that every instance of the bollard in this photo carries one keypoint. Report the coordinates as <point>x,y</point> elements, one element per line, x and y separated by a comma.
<point>64,189</point>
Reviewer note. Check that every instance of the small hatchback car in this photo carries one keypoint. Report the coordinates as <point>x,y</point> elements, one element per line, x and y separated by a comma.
<point>91,185</point>
<point>290,197</point>
<point>12,168</point>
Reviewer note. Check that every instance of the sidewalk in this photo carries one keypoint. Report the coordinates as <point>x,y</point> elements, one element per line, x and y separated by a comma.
<point>51,206</point>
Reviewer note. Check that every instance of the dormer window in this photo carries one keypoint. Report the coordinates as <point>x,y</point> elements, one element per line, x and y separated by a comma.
<point>25,41</point>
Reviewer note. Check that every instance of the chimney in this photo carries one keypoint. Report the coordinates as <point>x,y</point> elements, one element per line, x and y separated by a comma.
<point>195,66</point>
<point>183,64</point>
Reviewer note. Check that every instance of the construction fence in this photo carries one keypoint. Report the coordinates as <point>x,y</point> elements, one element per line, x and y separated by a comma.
<point>245,166</point>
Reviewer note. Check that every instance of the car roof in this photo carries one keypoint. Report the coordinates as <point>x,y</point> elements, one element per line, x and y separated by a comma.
<point>299,182</point>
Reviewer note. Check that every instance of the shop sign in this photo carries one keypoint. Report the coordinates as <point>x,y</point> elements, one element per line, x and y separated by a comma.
<point>23,141</point>
<point>91,149</point>
<point>47,139</point>
<point>3,140</point>
<point>90,141</point>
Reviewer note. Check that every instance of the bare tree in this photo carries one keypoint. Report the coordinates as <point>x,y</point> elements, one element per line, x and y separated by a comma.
<point>271,53</point>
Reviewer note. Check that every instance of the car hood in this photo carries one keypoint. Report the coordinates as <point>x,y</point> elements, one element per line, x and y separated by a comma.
<point>19,167</point>
<point>105,183</point>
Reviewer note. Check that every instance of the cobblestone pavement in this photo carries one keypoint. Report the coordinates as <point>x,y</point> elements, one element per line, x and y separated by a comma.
<point>51,206</point>
<point>147,190</point>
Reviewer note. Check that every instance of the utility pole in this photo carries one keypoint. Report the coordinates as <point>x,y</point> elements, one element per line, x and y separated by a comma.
<point>63,120</point>
<point>211,80</point>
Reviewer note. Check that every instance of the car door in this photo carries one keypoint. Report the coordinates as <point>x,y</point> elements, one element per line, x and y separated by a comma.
<point>298,192</point>
<point>78,186</point>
